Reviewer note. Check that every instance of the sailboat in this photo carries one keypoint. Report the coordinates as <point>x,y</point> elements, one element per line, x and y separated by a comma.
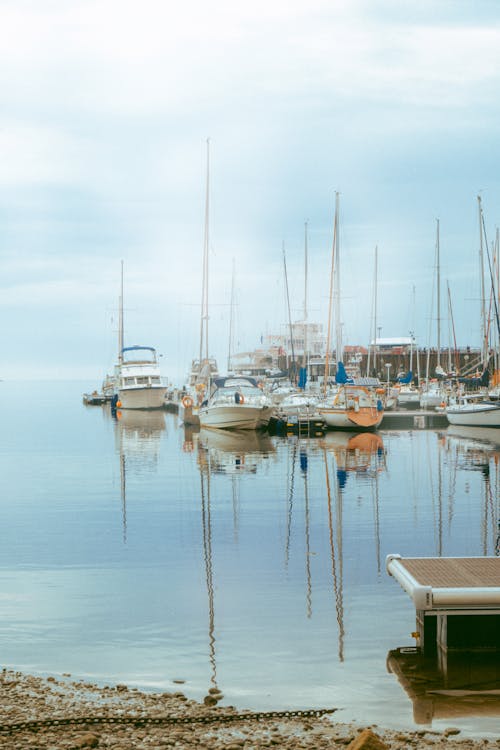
<point>475,410</point>
<point>432,392</point>
<point>204,369</point>
<point>356,402</point>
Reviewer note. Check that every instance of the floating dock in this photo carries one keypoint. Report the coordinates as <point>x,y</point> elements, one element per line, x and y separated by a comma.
<point>405,419</point>
<point>308,426</point>
<point>457,601</point>
<point>94,399</point>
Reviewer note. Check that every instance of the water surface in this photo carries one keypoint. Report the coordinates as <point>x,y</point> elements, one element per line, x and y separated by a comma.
<point>136,551</point>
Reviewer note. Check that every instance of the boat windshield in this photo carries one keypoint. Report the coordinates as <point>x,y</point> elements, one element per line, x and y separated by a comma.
<point>139,354</point>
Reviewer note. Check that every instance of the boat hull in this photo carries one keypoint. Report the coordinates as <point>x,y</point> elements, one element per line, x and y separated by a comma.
<point>349,419</point>
<point>476,416</point>
<point>235,417</point>
<point>146,397</point>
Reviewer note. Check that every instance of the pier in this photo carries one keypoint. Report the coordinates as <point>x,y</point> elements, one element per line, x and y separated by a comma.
<point>457,601</point>
<point>409,419</point>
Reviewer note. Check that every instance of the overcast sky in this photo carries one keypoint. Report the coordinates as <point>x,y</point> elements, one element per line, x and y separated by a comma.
<point>105,111</point>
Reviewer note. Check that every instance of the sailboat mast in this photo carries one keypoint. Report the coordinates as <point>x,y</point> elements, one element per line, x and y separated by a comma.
<point>438,298</point>
<point>372,343</point>
<point>330,299</point>
<point>481,271</point>
<point>289,312</point>
<point>450,309</point>
<point>120,319</point>
<point>306,343</point>
<point>375,301</point>
<point>204,290</point>
<point>338,329</point>
<point>231,323</point>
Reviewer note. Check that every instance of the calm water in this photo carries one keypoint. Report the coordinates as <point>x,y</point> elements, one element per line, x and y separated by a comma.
<point>135,551</point>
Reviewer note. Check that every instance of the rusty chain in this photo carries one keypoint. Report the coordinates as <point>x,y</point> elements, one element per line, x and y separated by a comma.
<point>141,721</point>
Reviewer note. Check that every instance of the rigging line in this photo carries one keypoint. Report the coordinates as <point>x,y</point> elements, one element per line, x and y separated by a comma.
<point>491,274</point>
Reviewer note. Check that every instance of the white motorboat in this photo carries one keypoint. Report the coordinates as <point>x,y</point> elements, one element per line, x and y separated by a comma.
<point>140,385</point>
<point>474,411</point>
<point>408,397</point>
<point>236,403</point>
<point>202,374</point>
<point>434,393</point>
<point>299,404</point>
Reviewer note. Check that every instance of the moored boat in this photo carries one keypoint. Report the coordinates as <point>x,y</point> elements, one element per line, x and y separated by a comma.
<point>474,412</point>
<point>354,405</point>
<point>140,385</point>
<point>236,403</point>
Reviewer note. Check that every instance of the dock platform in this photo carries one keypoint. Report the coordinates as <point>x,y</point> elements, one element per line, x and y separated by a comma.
<point>419,419</point>
<point>457,600</point>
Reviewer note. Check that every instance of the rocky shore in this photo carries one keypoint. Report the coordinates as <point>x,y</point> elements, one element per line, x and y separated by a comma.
<point>25,698</point>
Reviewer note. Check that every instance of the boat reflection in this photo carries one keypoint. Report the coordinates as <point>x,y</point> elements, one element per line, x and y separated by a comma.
<point>478,449</point>
<point>474,447</point>
<point>451,687</point>
<point>233,452</point>
<point>138,436</point>
<point>361,453</point>
<point>137,439</point>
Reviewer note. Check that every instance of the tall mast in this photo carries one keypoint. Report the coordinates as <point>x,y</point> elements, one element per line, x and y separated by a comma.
<point>305,297</point>
<point>231,323</point>
<point>120,319</point>
<point>329,326</point>
<point>338,325</point>
<point>484,329</point>
<point>375,311</point>
<point>289,311</point>
<point>372,342</point>
<point>204,289</point>
<point>438,362</point>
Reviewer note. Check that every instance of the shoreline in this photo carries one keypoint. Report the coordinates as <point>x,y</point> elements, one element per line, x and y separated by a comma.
<point>27,697</point>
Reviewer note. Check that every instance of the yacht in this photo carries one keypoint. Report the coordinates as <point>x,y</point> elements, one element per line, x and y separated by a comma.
<point>139,381</point>
<point>236,403</point>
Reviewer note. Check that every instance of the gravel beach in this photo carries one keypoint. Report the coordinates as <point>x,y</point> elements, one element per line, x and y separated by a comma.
<point>28,698</point>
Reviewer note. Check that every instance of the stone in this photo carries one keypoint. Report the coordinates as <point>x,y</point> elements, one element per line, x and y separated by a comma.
<point>367,740</point>
<point>87,740</point>
<point>449,731</point>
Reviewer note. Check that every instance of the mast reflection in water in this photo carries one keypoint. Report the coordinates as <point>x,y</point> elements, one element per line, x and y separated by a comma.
<point>253,563</point>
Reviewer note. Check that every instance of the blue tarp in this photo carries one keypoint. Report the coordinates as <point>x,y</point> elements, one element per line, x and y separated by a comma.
<point>302,377</point>
<point>341,376</point>
<point>407,378</point>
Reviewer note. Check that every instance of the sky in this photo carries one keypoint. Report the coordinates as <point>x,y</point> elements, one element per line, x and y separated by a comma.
<point>106,108</point>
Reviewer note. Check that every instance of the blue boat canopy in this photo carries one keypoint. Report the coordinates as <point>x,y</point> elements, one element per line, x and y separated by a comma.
<point>134,348</point>
<point>302,377</point>
<point>341,377</point>
<point>406,379</point>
